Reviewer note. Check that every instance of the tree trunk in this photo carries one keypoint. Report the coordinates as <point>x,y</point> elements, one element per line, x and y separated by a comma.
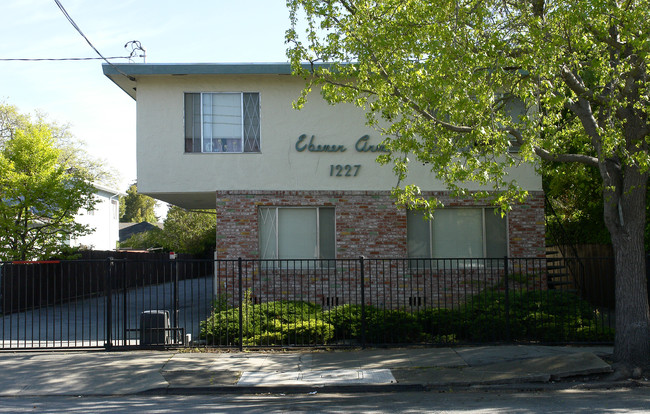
<point>625,219</point>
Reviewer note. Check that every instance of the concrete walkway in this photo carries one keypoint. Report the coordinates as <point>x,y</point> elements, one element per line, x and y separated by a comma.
<point>164,372</point>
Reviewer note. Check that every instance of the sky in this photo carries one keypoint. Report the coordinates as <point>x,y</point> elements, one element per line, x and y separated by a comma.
<point>77,93</point>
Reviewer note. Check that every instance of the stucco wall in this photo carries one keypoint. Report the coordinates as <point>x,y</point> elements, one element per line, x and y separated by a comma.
<point>166,171</point>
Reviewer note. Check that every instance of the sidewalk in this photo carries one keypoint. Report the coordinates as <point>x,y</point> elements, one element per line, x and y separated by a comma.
<point>166,372</point>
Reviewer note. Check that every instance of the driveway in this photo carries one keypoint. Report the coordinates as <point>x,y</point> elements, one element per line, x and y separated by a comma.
<point>83,322</point>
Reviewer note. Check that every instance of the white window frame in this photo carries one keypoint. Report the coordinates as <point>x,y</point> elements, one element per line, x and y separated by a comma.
<point>242,143</point>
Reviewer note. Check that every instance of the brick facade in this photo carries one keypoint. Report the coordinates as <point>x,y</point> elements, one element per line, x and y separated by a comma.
<point>367,222</point>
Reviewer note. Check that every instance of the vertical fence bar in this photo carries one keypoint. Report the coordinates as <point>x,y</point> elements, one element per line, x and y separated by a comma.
<point>125,298</point>
<point>108,291</point>
<point>507,298</point>
<point>363,302</point>
<point>175,313</point>
<point>241,305</point>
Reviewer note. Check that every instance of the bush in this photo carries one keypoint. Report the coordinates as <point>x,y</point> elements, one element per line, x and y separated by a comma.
<point>271,323</point>
<point>346,320</point>
<point>546,316</point>
<point>392,327</point>
<point>309,332</point>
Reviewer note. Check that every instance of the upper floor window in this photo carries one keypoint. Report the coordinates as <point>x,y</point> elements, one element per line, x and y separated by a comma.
<point>222,122</point>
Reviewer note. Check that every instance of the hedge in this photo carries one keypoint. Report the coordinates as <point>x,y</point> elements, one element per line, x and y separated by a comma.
<point>543,316</point>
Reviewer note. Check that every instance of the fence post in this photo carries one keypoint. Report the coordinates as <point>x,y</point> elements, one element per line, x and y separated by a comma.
<point>507,299</point>
<point>108,291</point>
<point>363,302</point>
<point>241,306</point>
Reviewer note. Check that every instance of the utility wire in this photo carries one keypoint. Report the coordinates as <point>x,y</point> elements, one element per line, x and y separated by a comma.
<point>59,59</point>
<point>67,16</point>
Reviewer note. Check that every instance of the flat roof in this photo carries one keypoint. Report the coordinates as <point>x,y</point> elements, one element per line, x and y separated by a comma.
<point>125,75</point>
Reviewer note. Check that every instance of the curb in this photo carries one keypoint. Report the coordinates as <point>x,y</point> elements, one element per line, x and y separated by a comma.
<point>392,388</point>
<point>292,389</point>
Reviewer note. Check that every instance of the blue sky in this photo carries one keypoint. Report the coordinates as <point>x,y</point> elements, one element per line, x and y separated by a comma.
<point>76,92</point>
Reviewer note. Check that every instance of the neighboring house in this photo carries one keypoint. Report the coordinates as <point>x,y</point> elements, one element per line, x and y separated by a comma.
<point>129,229</point>
<point>298,184</point>
<point>103,220</point>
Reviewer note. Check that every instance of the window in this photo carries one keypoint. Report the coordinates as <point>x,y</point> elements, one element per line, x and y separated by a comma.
<point>297,233</point>
<point>222,122</point>
<point>114,208</point>
<point>457,233</point>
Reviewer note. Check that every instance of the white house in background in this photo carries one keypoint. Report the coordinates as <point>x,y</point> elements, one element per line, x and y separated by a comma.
<point>104,220</point>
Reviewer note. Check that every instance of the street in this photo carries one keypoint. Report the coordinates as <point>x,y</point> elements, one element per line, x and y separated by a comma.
<point>633,400</point>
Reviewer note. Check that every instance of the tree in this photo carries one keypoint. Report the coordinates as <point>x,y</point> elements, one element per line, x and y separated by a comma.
<point>445,79</point>
<point>574,192</point>
<point>193,232</point>
<point>71,151</point>
<point>136,207</point>
<point>39,196</point>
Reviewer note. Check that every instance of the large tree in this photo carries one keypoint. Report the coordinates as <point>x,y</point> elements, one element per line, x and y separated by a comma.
<point>39,196</point>
<point>71,150</point>
<point>443,81</point>
<point>136,207</point>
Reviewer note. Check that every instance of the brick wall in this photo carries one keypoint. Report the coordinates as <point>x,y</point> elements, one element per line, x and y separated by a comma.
<point>367,223</point>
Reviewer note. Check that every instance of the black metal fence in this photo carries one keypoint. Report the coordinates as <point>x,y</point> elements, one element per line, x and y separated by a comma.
<point>282,303</point>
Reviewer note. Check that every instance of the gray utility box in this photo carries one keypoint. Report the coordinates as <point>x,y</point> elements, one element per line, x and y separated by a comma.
<point>154,327</point>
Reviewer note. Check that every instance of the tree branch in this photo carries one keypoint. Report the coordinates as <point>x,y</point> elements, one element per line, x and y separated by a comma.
<point>580,158</point>
<point>549,156</point>
<point>578,87</point>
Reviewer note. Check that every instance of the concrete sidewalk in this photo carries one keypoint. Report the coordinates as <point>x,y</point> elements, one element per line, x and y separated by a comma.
<point>121,373</point>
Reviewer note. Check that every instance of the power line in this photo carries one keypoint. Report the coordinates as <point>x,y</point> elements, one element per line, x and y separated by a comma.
<point>67,16</point>
<point>60,59</point>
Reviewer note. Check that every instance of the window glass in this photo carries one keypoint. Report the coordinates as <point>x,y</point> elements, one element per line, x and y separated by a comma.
<point>222,122</point>
<point>251,122</point>
<point>192,122</point>
<point>327,233</point>
<point>267,231</point>
<point>419,239</point>
<point>457,233</point>
<point>495,227</point>
<point>297,233</point>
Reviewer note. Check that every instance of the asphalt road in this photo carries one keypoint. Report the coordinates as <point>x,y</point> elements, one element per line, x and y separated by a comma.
<point>565,401</point>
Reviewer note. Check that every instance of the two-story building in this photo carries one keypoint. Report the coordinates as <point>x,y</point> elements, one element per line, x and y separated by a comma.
<point>302,184</point>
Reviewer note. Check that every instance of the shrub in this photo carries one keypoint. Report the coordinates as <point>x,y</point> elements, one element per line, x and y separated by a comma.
<point>346,320</point>
<point>271,323</point>
<point>547,316</point>
<point>392,326</point>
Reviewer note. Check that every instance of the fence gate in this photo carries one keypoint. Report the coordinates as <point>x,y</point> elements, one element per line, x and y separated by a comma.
<point>102,303</point>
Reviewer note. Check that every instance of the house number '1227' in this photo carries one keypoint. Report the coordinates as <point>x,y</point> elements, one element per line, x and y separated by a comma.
<point>344,170</point>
